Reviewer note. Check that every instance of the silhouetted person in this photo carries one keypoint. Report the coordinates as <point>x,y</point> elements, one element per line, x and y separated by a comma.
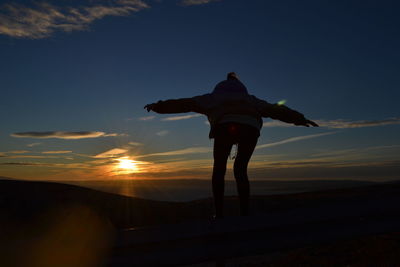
<point>235,118</point>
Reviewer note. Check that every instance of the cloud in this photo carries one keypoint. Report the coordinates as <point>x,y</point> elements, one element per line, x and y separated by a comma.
<point>385,151</point>
<point>18,151</point>
<point>43,19</point>
<point>21,164</point>
<point>197,150</point>
<point>31,157</point>
<point>64,135</point>
<point>343,124</point>
<point>276,123</point>
<point>135,144</point>
<point>184,117</point>
<point>33,144</point>
<point>185,151</point>
<point>323,163</point>
<point>46,164</point>
<point>294,139</point>
<point>196,2</point>
<point>112,153</point>
<point>340,124</point>
<point>57,152</point>
<point>147,118</point>
<point>162,133</point>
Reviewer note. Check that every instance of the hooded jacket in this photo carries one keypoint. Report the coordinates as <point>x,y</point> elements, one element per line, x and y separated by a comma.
<point>230,102</point>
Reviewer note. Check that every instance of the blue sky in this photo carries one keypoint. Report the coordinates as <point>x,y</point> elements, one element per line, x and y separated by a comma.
<point>75,76</point>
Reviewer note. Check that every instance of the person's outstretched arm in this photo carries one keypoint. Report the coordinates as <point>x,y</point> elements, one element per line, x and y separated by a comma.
<point>181,105</point>
<point>283,113</point>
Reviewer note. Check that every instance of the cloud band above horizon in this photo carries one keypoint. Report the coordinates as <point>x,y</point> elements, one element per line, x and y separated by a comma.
<point>341,124</point>
<point>183,117</point>
<point>63,135</point>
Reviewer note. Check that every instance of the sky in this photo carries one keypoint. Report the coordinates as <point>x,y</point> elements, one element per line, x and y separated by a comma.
<point>75,76</point>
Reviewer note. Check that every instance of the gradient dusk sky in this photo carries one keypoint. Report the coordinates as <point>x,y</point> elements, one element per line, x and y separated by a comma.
<point>75,76</point>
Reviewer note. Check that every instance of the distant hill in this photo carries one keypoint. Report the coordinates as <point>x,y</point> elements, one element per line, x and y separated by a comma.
<point>24,201</point>
<point>192,189</point>
<point>6,178</point>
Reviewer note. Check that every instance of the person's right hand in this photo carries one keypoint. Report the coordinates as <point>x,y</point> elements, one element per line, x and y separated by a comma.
<point>150,107</point>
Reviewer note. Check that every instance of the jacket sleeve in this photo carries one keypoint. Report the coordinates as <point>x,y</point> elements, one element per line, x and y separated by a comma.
<point>182,105</point>
<point>279,112</point>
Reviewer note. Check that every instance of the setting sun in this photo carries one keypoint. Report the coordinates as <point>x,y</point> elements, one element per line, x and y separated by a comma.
<point>127,165</point>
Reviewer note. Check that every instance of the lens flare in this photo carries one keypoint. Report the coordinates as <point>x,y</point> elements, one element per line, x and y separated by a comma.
<point>282,102</point>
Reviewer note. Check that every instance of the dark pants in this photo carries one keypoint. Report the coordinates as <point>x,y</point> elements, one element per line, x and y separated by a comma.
<point>226,135</point>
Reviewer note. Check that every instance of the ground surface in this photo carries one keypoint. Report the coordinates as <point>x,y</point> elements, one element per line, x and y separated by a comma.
<point>47,224</point>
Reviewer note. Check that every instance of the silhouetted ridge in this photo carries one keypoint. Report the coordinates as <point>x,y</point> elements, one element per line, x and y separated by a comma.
<point>24,201</point>
<point>27,200</point>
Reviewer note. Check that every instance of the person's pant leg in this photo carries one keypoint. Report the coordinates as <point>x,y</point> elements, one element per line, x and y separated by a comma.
<point>246,148</point>
<point>222,149</point>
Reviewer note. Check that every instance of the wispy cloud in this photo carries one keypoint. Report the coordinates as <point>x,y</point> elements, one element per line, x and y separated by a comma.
<point>198,150</point>
<point>372,152</point>
<point>111,153</point>
<point>301,163</point>
<point>18,151</point>
<point>184,117</point>
<point>57,152</point>
<point>33,144</point>
<point>185,151</point>
<point>147,118</point>
<point>135,144</point>
<point>47,164</point>
<point>162,133</point>
<point>43,19</point>
<point>64,135</point>
<point>196,2</point>
<point>294,139</point>
<point>16,156</point>
<point>21,164</point>
<point>276,123</point>
<point>340,124</point>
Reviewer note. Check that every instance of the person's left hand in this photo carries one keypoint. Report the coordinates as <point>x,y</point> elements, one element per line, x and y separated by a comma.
<point>309,123</point>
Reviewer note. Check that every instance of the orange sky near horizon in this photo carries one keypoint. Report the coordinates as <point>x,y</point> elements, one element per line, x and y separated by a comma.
<point>126,162</point>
